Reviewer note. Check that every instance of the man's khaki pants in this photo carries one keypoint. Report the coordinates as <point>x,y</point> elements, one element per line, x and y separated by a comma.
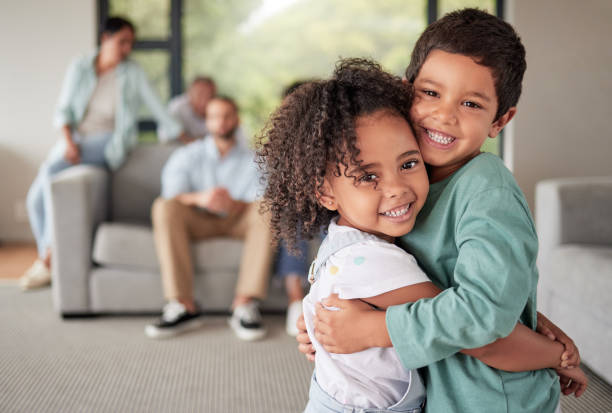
<point>176,226</point>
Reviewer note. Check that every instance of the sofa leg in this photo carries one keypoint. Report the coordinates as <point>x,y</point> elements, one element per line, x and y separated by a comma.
<point>69,316</point>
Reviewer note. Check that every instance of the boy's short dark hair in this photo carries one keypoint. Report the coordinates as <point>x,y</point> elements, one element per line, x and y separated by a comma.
<point>488,39</point>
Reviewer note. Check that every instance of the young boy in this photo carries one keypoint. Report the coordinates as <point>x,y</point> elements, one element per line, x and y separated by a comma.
<point>474,237</point>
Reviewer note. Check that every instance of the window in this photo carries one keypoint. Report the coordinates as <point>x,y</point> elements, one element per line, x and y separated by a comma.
<point>255,48</point>
<point>157,49</point>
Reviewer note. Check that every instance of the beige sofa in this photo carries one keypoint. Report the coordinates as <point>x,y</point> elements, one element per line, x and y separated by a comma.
<point>104,256</point>
<point>574,222</point>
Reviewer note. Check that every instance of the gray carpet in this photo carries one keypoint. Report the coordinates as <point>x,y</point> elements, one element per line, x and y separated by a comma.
<point>107,365</point>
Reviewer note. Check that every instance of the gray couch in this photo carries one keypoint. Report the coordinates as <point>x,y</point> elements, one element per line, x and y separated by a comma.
<point>574,221</point>
<point>104,255</point>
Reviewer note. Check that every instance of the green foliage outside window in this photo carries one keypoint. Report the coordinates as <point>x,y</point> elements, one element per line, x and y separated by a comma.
<point>255,48</point>
<point>151,17</point>
<point>445,6</point>
<point>253,55</point>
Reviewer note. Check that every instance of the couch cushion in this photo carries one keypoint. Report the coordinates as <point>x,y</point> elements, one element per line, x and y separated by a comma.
<point>131,245</point>
<point>137,183</point>
<point>580,273</point>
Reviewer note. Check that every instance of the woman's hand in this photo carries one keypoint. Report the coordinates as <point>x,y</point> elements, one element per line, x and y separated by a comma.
<point>304,344</point>
<point>72,154</point>
<point>354,327</point>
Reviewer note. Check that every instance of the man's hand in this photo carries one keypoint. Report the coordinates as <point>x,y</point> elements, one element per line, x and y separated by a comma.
<point>571,356</point>
<point>72,154</point>
<point>185,139</point>
<point>304,345</point>
<point>572,381</point>
<point>354,327</point>
<point>216,200</point>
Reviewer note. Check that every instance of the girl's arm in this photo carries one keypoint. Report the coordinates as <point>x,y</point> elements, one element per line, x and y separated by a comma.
<point>522,350</point>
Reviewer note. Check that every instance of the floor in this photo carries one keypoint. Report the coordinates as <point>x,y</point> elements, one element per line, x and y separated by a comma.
<point>107,364</point>
<point>15,258</point>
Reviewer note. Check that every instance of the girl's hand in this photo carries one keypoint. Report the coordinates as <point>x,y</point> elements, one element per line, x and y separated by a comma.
<point>72,154</point>
<point>572,381</point>
<point>354,327</point>
<point>571,356</point>
<point>304,344</point>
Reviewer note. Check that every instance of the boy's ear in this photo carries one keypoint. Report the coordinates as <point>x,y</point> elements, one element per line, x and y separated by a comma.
<point>326,196</point>
<point>503,120</point>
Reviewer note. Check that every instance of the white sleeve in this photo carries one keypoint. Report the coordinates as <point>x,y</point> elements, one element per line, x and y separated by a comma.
<point>176,174</point>
<point>372,268</point>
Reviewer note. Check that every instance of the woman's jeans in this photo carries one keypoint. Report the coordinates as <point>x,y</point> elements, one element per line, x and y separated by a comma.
<point>38,201</point>
<point>289,264</point>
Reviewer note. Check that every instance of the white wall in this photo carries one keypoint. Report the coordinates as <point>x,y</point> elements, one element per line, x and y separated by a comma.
<point>562,127</point>
<point>37,40</point>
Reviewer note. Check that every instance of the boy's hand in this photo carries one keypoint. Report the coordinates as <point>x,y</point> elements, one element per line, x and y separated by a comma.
<point>571,356</point>
<point>572,381</point>
<point>304,344</point>
<point>354,327</point>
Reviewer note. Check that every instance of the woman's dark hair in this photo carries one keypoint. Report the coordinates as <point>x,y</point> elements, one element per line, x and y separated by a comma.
<point>313,133</point>
<point>487,39</point>
<point>113,24</point>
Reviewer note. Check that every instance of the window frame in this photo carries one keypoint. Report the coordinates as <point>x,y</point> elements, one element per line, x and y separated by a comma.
<point>174,46</point>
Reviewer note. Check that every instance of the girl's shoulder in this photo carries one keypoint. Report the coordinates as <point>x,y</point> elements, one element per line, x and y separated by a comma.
<point>373,254</point>
<point>371,268</point>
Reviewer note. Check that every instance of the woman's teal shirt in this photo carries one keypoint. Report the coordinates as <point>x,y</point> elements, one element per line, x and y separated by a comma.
<point>134,89</point>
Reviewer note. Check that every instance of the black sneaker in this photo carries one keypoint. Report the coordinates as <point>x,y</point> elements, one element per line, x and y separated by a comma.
<point>246,322</point>
<point>174,320</point>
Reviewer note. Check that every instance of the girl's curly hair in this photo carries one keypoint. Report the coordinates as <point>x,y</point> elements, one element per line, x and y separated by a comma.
<point>313,133</point>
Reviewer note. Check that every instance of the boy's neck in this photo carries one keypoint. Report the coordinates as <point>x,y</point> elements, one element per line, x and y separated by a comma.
<point>440,173</point>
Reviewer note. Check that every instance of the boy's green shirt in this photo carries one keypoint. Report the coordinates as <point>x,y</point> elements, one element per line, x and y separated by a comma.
<point>476,239</point>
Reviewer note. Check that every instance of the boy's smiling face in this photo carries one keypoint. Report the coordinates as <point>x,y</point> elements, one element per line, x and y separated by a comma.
<point>454,111</point>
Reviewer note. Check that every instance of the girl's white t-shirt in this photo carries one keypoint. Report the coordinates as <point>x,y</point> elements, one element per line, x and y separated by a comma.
<point>374,377</point>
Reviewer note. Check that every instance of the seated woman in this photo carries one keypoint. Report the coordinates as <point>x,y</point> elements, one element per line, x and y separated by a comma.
<point>97,114</point>
<point>292,269</point>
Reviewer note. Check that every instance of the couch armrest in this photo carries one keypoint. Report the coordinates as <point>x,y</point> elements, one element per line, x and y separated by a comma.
<point>574,211</point>
<point>79,198</point>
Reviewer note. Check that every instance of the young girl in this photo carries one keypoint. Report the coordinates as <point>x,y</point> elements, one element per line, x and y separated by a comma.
<point>341,153</point>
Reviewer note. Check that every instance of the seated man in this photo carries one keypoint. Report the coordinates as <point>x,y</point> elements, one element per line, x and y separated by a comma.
<point>190,109</point>
<point>209,189</point>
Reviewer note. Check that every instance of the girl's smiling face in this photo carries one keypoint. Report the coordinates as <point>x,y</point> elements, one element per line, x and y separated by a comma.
<point>390,184</point>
